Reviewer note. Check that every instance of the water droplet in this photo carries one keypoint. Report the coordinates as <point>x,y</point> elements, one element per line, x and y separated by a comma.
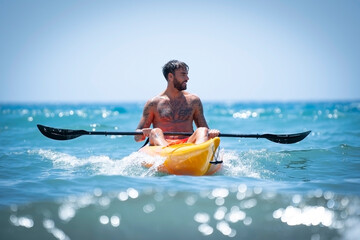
<point>220,213</point>
<point>104,201</point>
<point>104,219</point>
<point>133,193</point>
<point>247,221</point>
<point>148,208</point>
<point>25,222</point>
<point>220,192</point>
<point>205,229</point>
<point>97,192</point>
<point>202,217</point>
<point>242,188</point>
<point>296,199</point>
<point>66,212</point>
<point>48,224</point>
<point>219,201</point>
<point>235,215</point>
<point>115,221</point>
<point>224,228</point>
<point>123,196</point>
<point>191,200</point>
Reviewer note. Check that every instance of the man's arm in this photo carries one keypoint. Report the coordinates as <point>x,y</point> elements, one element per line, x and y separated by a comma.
<point>199,117</point>
<point>145,121</point>
<point>200,120</point>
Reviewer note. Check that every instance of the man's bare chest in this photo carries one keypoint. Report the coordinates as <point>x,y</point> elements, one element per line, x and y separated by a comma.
<point>175,111</point>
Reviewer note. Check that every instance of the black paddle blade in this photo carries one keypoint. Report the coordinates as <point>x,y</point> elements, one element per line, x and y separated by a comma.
<point>60,134</point>
<point>286,138</point>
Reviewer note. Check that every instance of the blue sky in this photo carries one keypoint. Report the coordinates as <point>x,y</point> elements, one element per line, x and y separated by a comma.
<point>113,51</point>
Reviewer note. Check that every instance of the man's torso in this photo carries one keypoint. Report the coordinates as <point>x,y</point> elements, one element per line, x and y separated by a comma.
<point>174,115</point>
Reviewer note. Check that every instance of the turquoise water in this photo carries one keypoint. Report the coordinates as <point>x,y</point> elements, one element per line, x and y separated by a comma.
<point>94,187</point>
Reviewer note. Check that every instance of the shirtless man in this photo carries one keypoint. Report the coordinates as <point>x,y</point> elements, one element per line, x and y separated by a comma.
<point>174,110</point>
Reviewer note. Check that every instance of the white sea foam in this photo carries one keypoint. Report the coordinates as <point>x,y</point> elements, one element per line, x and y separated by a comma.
<point>235,165</point>
<point>102,165</point>
<point>259,163</point>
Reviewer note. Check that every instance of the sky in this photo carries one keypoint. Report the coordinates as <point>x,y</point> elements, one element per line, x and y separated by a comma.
<point>113,51</point>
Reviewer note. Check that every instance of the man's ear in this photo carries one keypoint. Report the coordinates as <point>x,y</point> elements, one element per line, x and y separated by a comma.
<point>170,76</point>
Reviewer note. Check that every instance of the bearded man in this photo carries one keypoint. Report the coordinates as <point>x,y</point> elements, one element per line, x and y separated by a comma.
<point>174,110</point>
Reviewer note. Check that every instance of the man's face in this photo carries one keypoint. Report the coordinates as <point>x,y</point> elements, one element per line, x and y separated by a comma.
<point>180,79</point>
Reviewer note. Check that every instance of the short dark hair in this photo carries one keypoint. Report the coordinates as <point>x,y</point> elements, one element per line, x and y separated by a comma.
<point>173,65</point>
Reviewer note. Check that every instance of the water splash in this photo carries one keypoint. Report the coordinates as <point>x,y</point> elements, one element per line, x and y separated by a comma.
<point>102,165</point>
<point>259,164</point>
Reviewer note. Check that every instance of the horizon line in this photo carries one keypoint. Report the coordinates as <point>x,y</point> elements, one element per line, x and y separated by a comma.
<point>86,102</point>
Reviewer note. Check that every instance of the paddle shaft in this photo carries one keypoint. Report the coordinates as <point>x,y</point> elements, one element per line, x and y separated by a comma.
<point>174,134</point>
<point>106,133</point>
<point>257,136</point>
<point>67,134</point>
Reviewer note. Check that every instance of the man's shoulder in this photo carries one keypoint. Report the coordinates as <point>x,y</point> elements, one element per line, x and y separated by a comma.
<point>192,97</point>
<point>154,100</point>
<point>163,97</point>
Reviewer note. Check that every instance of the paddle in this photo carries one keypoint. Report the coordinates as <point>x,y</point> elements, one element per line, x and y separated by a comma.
<point>67,134</point>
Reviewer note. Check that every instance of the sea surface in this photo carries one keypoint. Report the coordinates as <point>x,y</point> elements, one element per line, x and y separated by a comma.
<point>94,187</point>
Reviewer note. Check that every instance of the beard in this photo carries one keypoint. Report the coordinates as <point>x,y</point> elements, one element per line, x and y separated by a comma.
<point>179,86</point>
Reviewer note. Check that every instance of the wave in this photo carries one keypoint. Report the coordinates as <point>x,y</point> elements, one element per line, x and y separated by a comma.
<point>99,165</point>
<point>289,165</point>
<point>245,164</point>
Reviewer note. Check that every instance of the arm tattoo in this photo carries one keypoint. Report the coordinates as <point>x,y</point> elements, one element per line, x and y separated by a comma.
<point>147,117</point>
<point>199,117</point>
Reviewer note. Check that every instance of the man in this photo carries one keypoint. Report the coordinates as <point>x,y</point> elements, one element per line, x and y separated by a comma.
<point>174,110</point>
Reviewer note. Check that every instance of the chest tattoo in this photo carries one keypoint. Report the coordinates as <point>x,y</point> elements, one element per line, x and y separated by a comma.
<point>175,111</point>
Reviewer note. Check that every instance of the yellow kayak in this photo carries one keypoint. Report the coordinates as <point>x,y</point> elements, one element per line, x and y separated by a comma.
<point>186,158</point>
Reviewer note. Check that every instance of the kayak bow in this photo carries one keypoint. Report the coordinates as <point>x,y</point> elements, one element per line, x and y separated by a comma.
<point>186,158</point>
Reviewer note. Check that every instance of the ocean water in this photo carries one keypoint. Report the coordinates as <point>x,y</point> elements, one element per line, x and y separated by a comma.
<point>94,187</point>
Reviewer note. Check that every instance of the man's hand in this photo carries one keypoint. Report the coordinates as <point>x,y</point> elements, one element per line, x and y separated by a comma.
<point>145,134</point>
<point>213,133</point>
